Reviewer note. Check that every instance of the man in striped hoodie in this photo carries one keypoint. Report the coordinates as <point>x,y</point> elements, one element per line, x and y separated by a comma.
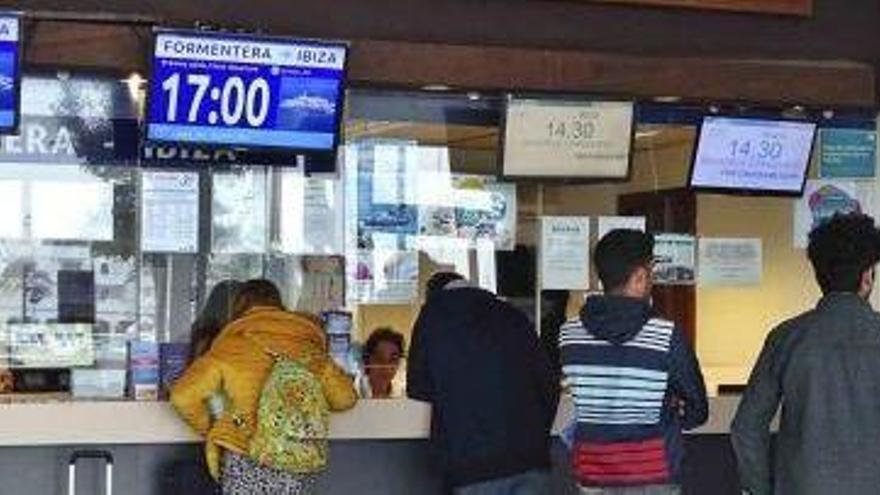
<point>635,382</point>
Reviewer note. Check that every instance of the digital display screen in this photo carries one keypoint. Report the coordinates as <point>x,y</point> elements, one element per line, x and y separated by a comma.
<point>10,78</point>
<point>250,92</point>
<point>753,155</point>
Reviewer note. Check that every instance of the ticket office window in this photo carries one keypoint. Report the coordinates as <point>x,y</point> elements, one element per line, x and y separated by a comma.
<point>100,248</point>
<point>422,183</point>
<point>84,272</point>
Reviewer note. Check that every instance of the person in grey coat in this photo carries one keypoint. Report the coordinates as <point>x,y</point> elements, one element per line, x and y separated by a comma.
<point>823,367</point>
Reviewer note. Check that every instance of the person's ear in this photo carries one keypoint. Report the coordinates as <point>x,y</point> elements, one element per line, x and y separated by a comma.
<point>867,283</point>
<point>639,283</point>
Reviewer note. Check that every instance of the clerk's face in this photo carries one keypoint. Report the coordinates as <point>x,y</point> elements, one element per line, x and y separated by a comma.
<point>384,361</point>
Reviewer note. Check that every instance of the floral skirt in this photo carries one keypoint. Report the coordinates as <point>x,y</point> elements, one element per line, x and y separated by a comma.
<point>243,476</point>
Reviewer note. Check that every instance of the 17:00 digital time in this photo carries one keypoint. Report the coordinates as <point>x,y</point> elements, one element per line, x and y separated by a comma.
<point>238,101</point>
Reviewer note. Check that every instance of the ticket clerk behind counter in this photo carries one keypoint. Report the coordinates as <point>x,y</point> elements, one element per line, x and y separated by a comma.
<point>382,354</point>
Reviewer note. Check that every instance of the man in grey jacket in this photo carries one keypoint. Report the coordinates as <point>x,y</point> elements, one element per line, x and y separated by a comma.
<point>824,368</point>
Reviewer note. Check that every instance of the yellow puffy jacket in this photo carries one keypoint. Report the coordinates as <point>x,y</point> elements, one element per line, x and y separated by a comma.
<point>237,365</point>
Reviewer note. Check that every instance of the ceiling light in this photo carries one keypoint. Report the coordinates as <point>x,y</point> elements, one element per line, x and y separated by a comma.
<point>436,87</point>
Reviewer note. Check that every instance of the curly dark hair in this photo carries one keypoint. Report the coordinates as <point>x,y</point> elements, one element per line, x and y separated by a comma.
<point>842,249</point>
<point>383,334</point>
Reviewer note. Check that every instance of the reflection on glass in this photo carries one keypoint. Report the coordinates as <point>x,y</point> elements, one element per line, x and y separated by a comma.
<point>233,267</point>
<point>11,221</point>
<point>72,210</point>
<point>49,345</point>
<point>446,254</point>
<point>239,212</point>
<point>487,272</point>
<point>385,276</point>
<point>311,214</point>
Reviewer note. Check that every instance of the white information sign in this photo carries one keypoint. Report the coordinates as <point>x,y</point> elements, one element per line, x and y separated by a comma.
<point>607,224</point>
<point>565,253</point>
<point>559,138</point>
<point>752,154</point>
<point>730,262</point>
<point>170,212</point>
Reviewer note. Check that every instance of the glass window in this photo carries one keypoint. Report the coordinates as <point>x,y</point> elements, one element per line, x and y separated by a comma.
<point>97,253</point>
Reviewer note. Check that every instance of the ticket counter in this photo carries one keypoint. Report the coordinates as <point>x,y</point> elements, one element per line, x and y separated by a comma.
<point>379,447</point>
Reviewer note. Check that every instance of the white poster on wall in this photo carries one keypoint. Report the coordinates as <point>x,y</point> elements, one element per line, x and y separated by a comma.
<point>565,253</point>
<point>824,198</point>
<point>730,262</point>
<point>170,212</point>
<point>607,224</point>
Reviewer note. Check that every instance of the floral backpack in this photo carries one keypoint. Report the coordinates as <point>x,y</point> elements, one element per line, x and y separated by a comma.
<point>293,419</point>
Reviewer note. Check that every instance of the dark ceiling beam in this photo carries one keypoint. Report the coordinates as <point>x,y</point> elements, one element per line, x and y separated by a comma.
<point>471,67</point>
<point>124,49</point>
<point>837,29</point>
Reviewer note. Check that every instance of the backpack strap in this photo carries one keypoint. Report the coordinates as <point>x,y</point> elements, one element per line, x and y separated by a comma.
<point>238,418</point>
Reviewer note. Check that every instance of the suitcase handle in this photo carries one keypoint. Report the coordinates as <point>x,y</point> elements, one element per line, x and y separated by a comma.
<point>107,457</point>
<point>103,455</point>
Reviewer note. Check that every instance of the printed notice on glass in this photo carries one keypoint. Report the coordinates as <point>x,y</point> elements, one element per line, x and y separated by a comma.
<point>565,253</point>
<point>567,138</point>
<point>730,262</point>
<point>607,224</point>
<point>170,211</point>
<point>675,258</point>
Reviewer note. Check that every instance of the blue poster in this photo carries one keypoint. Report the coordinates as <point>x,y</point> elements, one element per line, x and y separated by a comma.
<point>241,91</point>
<point>9,74</point>
<point>847,153</point>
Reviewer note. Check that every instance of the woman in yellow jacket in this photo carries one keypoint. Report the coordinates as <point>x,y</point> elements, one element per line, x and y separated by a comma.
<point>235,368</point>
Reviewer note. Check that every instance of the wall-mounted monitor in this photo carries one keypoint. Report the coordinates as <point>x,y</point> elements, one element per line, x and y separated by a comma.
<point>567,138</point>
<point>235,91</point>
<point>752,156</point>
<point>10,73</point>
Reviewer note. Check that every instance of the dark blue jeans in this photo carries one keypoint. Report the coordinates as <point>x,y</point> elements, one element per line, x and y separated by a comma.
<point>529,483</point>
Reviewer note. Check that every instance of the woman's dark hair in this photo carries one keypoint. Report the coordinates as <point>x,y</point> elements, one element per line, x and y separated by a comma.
<point>619,254</point>
<point>382,334</point>
<point>216,314</point>
<point>842,249</point>
<point>438,281</point>
<point>257,292</point>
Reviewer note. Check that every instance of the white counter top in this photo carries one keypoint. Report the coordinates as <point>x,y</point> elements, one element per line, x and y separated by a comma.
<point>84,423</point>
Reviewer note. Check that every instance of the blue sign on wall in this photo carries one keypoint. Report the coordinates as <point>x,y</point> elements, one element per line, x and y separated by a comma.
<point>847,153</point>
<point>229,90</point>
<point>10,77</point>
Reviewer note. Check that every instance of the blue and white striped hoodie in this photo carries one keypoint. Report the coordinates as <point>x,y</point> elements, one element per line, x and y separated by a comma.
<point>636,384</point>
